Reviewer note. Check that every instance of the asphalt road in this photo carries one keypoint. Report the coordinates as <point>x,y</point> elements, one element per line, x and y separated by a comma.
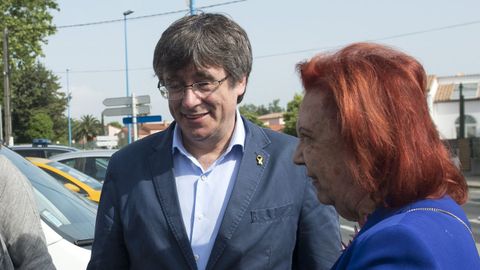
<point>472,208</point>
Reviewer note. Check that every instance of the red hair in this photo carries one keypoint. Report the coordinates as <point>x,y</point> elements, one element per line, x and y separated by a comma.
<point>379,97</point>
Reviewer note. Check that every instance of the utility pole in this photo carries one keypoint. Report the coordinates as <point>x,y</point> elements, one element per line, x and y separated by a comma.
<point>6,90</point>
<point>461,132</point>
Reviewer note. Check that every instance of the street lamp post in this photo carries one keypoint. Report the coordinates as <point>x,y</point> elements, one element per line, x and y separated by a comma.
<point>191,5</point>
<point>125,14</point>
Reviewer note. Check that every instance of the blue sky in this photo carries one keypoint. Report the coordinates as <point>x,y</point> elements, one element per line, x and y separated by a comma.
<point>282,33</point>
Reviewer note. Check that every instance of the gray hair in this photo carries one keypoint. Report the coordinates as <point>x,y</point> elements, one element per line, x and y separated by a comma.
<point>204,40</point>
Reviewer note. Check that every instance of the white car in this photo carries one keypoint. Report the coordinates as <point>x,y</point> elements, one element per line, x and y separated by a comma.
<point>68,221</point>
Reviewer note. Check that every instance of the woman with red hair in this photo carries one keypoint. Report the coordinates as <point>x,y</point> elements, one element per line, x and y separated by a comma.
<point>373,152</point>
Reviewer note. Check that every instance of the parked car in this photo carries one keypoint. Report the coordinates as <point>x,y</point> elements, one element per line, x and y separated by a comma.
<point>91,162</point>
<point>68,222</point>
<point>41,148</point>
<point>71,178</point>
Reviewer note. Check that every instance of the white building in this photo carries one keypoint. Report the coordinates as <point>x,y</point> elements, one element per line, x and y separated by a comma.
<point>443,101</point>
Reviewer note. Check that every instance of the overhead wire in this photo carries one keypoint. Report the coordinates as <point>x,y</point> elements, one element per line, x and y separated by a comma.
<point>146,16</point>
<point>419,32</point>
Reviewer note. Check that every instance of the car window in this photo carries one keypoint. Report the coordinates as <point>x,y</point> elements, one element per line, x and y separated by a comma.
<point>101,164</point>
<point>69,162</point>
<point>31,152</point>
<point>91,182</point>
<point>51,152</point>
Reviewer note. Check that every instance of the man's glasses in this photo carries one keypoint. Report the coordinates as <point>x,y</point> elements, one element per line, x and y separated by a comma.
<point>201,89</point>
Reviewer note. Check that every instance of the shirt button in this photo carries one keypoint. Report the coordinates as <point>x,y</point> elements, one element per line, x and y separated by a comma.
<point>203,178</point>
<point>196,257</point>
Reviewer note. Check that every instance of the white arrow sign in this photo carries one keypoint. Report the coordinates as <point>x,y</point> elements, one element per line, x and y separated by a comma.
<point>141,109</point>
<point>119,101</point>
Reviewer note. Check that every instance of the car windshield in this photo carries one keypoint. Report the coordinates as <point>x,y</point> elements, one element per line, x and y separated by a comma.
<point>91,182</point>
<point>67,214</point>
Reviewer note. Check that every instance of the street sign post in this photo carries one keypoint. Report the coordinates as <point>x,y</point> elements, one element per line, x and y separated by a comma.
<point>132,105</point>
<point>143,119</point>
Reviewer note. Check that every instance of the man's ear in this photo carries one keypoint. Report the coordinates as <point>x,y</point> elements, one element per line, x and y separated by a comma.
<point>241,86</point>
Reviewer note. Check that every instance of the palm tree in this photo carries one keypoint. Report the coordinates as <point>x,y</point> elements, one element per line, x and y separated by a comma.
<point>87,128</point>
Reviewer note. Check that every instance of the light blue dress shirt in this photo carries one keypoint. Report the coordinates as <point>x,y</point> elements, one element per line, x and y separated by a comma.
<point>204,194</point>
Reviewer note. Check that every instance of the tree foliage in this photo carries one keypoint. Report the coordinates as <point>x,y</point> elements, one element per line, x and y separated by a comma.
<point>291,115</point>
<point>40,126</point>
<point>250,115</point>
<point>29,23</point>
<point>116,124</point>
<point>87,128</point>
<point>33,88</point>
<point>36,90</point>
<point>252,111</point>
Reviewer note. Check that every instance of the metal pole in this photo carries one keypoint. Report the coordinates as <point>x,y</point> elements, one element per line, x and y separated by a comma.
<point>6,90</point>
<point>69,97</point>
<point>461,133</point>
<point>134,116</point>
<point>125,14</point>
<point>192,7</point>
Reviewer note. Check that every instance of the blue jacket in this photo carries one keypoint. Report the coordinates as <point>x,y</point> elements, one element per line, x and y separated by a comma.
<point>273,219</point>
<point>413,238</point>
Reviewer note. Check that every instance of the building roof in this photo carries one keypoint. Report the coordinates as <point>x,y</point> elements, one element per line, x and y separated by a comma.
<point>271,116</point>
<point>444,92</point>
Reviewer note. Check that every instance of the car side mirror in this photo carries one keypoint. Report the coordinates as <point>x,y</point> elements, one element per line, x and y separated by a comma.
<point>72,187</point>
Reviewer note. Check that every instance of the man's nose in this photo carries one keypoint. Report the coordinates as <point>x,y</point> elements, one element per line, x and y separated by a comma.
<point>190,99</point>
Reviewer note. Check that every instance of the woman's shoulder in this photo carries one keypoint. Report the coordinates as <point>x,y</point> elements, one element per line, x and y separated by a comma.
<point>422,232</point>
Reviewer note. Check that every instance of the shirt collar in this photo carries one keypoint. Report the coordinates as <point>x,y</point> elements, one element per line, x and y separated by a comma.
<point>238,137</point>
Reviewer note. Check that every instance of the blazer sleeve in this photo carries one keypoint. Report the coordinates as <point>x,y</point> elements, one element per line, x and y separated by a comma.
<point>318,236</point>
<point>395,247</point>
<point>108,249</point>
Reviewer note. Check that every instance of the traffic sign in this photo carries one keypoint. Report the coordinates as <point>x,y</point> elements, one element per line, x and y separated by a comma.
<point>141,109</point>
<point>143,119</point>
<point>119,101</point>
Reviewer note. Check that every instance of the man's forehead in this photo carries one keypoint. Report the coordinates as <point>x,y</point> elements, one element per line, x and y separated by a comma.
<point>200,72</point>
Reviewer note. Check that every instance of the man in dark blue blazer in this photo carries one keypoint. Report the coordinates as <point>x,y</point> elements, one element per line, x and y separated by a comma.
<point>213,191</point>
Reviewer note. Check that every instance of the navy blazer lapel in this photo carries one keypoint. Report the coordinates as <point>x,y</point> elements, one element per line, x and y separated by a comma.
<point>161,164</point>
<point>249,176</point>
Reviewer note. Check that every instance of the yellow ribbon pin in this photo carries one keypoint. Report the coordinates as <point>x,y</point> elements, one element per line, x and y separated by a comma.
<point>259,160</point>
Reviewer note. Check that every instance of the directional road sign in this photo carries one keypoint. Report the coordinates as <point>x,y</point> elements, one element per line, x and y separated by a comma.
<point>119,101</point>
<point>143,119</point>
<point>141,109</point>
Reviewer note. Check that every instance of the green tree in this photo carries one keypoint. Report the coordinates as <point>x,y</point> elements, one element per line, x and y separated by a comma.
<point>87,128</point>
<point>40,126</point>
<point>274,106</point>
<point>29,23</point>
<point>252,112</point>
<point>291,115</point>
<point>250,115</point>
<point>37,91</point>
<point>115,124</point>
